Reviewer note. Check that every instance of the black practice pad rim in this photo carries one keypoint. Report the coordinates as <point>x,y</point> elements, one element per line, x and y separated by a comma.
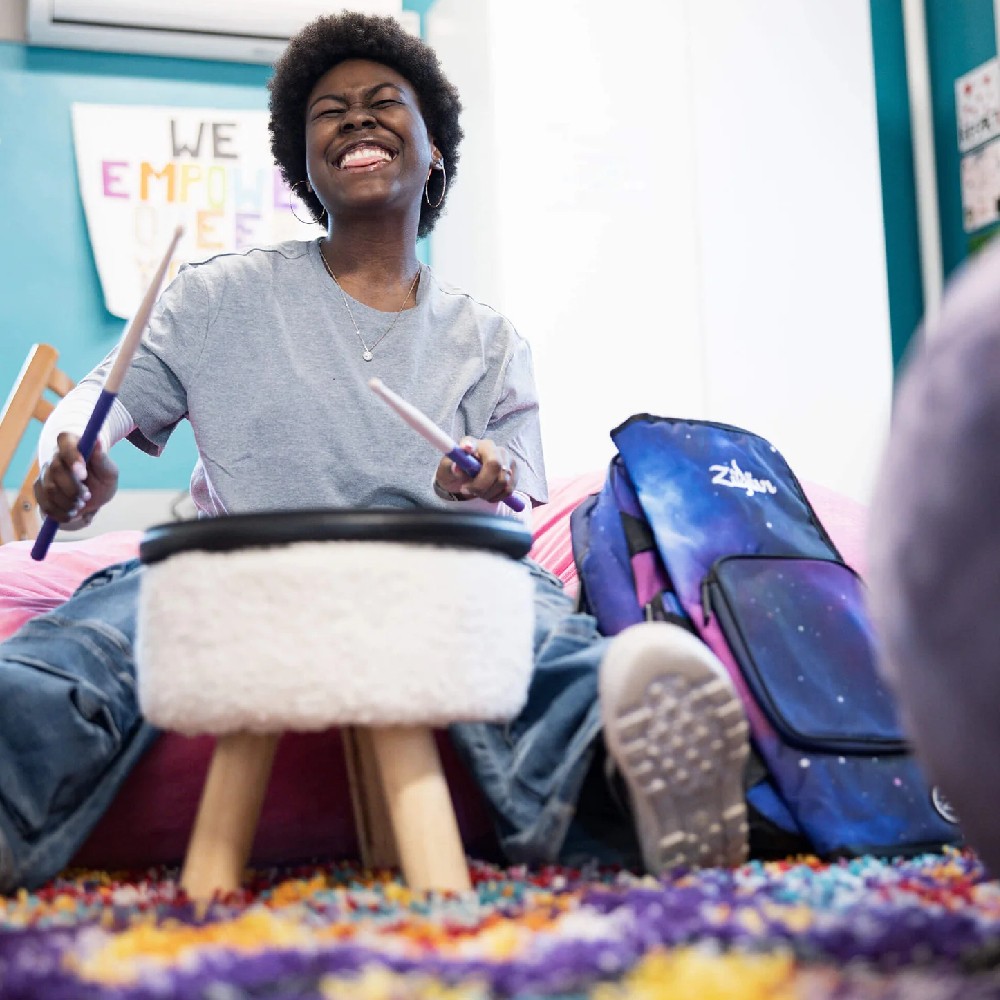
<point>456,529</point>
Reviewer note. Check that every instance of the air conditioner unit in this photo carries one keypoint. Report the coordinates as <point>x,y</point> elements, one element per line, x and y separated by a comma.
<point>251,31</point>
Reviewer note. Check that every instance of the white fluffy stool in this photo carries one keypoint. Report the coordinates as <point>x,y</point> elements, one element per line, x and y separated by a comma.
<point>387,623</point>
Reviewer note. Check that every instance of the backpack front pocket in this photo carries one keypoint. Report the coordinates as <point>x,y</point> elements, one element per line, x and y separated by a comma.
<point>800,632</point>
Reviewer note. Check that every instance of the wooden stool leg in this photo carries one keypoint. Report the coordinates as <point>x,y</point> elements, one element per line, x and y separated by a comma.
<point>371,813</point>
<point>420,807</point>
<point>228,813</point>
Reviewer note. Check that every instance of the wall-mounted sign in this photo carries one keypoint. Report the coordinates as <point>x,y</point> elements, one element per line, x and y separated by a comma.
<point>980,171</point>
<point>144,170</point>
<point>977,105</point>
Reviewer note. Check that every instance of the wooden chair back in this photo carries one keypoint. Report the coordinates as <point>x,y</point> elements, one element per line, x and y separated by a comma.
<point>27,401</point>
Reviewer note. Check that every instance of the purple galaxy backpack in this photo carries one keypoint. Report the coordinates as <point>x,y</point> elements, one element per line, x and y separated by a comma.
<point>705,525</point>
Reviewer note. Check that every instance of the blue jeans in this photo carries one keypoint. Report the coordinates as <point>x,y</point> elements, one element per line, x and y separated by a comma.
<point>70,731</point>
<point>542,772</point>
<point>70,728</point>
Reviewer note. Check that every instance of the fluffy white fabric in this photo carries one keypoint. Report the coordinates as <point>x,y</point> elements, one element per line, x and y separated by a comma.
<point>315,634</point>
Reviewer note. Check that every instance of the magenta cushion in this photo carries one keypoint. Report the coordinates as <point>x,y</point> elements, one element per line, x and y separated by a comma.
<point>552,547</point>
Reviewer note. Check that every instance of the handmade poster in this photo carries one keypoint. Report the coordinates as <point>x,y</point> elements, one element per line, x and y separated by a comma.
<point>977,105</point>
<point>144,170</point>
<point>980,172</point>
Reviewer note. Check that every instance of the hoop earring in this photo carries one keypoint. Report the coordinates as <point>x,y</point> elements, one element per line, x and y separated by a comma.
<point>291,207</point>
<point>436,165</point>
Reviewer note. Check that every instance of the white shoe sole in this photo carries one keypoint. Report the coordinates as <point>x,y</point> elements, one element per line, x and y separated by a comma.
<point>674,725</point>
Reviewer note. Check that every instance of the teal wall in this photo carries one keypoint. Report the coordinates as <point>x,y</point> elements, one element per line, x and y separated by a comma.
<point>49,289</point>
<point>960,37</point>
<point>899,195</point>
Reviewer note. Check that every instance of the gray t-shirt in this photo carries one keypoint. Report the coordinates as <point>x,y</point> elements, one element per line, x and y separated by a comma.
<point>258,351</point>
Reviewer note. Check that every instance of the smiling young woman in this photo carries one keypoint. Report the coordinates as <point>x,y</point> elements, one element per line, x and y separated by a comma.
<point>368,159</point>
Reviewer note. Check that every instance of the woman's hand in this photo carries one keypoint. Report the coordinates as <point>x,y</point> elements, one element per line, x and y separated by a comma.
<point>72,492</point>
<point>496,479</point>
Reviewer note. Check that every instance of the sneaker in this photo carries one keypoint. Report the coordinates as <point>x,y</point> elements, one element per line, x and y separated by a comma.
<point>675,728</point>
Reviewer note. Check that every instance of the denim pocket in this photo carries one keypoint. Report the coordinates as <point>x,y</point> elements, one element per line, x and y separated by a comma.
<point>102,577</point>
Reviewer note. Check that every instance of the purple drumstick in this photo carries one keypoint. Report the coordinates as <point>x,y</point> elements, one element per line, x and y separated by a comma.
<point>130,341</point>
<point>469,464</point>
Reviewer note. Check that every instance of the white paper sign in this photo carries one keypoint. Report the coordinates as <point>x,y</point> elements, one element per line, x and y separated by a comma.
<point>144,170</point>
<point>977,105</point>
<point>980,173</point>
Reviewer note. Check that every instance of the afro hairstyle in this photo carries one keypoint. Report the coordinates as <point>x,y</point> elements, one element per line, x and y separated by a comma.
<point>333,39</point>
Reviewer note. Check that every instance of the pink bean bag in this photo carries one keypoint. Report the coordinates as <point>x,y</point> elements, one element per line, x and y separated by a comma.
<point>306,812</point>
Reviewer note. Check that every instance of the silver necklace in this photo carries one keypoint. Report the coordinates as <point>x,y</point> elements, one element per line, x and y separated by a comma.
<point>368,352</point>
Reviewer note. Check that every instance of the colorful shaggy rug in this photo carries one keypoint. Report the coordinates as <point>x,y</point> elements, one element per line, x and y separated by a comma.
<point>922,929</point>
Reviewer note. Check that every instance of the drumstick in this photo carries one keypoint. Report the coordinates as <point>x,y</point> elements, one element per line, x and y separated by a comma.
<point>469,464</point>
<point>129,343</point>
